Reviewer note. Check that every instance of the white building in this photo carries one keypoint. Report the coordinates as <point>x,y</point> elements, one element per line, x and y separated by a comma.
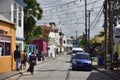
<point>52,45</point>
<point>13,10</point>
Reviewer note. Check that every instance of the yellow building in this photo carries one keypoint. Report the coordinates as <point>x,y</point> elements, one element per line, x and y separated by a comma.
<point>7,45</point>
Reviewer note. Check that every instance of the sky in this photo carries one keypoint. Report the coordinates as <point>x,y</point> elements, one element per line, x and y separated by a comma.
<point>69,15</point>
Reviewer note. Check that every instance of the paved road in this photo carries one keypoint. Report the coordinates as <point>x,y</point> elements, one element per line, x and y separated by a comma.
<point>59,69</point>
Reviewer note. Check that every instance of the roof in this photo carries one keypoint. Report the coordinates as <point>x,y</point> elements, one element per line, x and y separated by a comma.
<point>118,26</point>
<point>4,19</point>
<point>77,49</point>
<point>82,53</point>
<point>21,3</point>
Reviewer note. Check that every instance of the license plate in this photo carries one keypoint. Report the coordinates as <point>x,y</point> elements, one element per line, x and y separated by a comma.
<point>81,65</point>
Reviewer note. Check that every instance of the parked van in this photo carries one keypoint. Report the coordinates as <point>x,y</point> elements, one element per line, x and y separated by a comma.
<point>77,49</point>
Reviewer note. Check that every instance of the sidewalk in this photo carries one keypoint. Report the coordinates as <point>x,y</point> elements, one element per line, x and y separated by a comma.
<point>6,75</point>
<point>114,74</point>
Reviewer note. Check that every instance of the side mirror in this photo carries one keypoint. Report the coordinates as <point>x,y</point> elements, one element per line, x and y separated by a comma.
<point>92,58</point>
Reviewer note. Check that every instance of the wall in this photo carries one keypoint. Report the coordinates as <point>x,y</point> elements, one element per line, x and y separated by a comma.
<point>41,45</point>
<point>7,62</point>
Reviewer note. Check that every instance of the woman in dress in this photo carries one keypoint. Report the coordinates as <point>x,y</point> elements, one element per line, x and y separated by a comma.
<point>32,63</point>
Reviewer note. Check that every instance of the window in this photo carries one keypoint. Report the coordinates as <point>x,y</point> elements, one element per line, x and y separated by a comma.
<point>15,13</point>
<point>19,20</point>
<point>5,45</point>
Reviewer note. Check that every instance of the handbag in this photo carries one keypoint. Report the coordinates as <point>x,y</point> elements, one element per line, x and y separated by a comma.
<point>34,62</point>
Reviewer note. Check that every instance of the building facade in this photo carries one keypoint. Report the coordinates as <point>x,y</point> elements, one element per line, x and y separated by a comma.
<point>41,44</point>
<point>13,11</point>
<point>7,44</point>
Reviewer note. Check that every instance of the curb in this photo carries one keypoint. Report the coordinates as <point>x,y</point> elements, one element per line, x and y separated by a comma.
<point>107,74</point>
<point>10,75</point>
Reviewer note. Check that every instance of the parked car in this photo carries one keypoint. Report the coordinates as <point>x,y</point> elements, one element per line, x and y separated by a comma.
<point>81,61</point>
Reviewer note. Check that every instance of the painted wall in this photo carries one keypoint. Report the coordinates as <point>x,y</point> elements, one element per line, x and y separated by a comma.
<point>41,45</point>
<point>7,62</point>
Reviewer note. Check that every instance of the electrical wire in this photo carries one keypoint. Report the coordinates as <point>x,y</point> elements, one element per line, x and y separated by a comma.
<point>69,13</point>
<point>93,28</point>
<point>77,18</point>
<point>100,12</point>
<point>72,7</point>
<point>60,4</point>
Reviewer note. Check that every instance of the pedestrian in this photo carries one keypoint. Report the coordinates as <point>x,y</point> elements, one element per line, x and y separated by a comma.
<point>24,60</point>
<point>115,58</point>
<point>39,55</point>
<point>32,63</point>
<point>17,58</point>
<point>42,55</point>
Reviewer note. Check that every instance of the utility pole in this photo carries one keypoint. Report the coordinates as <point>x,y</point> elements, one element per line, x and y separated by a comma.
<point>76,34</point>
<point>106,33</point>
<point>89,14</point>
<point>110,33</point>
<point>86,26</point>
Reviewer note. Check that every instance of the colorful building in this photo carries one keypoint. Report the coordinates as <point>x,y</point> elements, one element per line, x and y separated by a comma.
<point>41,44</point>
<point>7,44</point>
<point>13,11</point>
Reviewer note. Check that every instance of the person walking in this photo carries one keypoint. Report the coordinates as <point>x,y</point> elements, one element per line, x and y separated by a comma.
<point>17,58</point>
<point>32,63</point>
<point>39,56</point>
<point>115,58</point>
<point>24,60</point>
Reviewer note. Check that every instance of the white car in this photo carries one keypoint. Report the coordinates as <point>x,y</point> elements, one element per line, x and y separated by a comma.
<point>77,49</point>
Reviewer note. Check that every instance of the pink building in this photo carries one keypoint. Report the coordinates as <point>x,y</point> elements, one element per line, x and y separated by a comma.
<point>41,45</point>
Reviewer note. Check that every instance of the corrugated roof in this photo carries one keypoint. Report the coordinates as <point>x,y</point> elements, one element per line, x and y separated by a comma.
<point>2,18</point>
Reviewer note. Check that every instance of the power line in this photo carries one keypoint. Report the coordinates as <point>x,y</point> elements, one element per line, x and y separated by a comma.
<point>68,13</point>
<point>72,7</point>
<point>97,21</point>
<point>50,2</point>
<point>60,4</point>
<point>99,13</point>
<point>76,20</point>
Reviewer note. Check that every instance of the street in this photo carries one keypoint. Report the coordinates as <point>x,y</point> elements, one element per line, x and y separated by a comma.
<point>59,69</point>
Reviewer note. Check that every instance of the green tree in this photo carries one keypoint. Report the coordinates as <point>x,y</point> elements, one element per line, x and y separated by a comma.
<point>37,32</point>
<point>32,12</point>
<point>115,4</point>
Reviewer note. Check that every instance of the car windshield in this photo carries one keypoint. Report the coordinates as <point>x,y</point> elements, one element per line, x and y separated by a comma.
<point>74,51</point>
<point>82,56</point>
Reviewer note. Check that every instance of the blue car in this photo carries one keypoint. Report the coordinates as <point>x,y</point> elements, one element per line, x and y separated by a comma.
<point>81,61</point>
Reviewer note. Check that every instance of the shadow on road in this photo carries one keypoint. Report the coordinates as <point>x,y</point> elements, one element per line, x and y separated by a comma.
<point>51,70</point>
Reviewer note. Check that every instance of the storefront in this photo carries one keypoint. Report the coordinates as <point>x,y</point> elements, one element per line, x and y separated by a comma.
<point>7,45</point>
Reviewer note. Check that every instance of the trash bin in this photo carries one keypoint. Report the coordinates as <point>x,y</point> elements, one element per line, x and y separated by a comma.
<point>100,60</point>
